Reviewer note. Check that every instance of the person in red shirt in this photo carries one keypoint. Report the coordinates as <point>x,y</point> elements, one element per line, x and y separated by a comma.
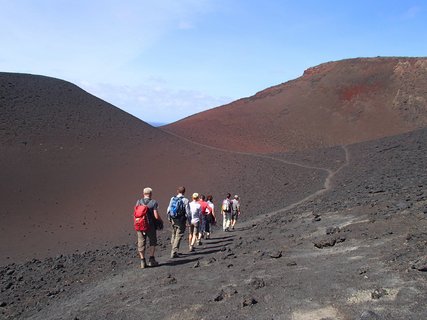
<point>204,209</point>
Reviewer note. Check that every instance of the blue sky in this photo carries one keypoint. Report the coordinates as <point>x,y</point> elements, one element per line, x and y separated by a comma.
<point>162,60</point>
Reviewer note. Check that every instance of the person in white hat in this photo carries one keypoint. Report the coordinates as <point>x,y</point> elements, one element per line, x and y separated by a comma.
<point>194,221</point>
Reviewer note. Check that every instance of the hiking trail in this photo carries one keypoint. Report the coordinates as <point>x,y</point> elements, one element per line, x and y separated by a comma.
<point>327,185</point>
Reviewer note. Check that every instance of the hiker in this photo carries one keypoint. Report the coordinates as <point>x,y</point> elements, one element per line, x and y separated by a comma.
<point>235,210</point>
<point>154,222</point>
<point>178,211</point>
<point>226,212</point>
<point>204,211</point>
<point>194,221</point>
<point>210,217</point>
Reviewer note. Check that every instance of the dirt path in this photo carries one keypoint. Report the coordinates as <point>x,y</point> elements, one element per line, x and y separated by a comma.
<point>326,186</point>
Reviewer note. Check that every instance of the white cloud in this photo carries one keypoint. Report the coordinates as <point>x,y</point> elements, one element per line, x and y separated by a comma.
<point>154,102</point>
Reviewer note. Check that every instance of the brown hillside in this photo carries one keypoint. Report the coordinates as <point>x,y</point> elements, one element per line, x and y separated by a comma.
<point>334,103</point>
<point>72,167</point>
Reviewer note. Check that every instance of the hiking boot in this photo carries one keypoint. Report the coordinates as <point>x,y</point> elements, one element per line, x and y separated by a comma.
<point>199,242</point>
<point>152,262</point>
<point>191,249</point>
<point>143,264</point>
<point>174,255</point>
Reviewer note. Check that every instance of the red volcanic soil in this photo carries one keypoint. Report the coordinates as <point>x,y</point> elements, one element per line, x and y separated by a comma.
<point>334,103</point>
<point>72,167</point>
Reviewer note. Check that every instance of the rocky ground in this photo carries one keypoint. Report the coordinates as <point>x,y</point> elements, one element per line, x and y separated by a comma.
<point>354,249</point>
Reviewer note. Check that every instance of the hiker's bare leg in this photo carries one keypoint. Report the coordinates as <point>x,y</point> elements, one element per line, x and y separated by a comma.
<point>142,253</point>
<point>152,251</point>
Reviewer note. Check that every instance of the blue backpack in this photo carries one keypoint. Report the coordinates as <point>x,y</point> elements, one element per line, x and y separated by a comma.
<point>177,208</point>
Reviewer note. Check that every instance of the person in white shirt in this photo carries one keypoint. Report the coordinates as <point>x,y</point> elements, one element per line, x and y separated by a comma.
<point>178,223</point>
<point>226,212</point>
<point>235,210</point>
<point>194,221</point>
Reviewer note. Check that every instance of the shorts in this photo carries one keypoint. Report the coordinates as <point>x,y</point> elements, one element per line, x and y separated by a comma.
<point>194,228</point>
<point>142,238</point>
<point>234,215</point>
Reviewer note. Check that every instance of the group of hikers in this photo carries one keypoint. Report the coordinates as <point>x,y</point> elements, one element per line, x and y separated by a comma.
<point>197,215</point>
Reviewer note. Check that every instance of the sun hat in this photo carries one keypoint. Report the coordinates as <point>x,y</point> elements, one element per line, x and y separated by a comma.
<point>236,196</point>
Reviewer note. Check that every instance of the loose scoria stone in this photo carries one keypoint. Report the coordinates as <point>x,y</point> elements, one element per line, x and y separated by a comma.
<point>369,315</point>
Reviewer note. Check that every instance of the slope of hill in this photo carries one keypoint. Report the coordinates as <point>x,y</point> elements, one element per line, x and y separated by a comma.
<point>353,250</point>
<point>334,103</point>
<point>72,167</point>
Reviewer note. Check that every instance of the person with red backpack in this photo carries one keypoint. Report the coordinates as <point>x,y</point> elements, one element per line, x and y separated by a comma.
<point>146,220</point>
<point>226,212</point>
<point>205,209</point>
<point>210,218</point>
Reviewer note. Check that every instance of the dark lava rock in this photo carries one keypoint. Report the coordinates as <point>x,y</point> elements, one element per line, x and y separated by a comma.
<point>420,265</point>
<point>10,272</point>
<point>53,293</point>
<point>3,304</point>
<point>9,285</point>
<point>291,264</point>
<point>257,283</point>
<point>369,315</point>
<point>225,293</point>
<point>169,280</point>
<point>333,230</point>
<point>323,243</point>
<point>363,270</point>
<point>316,217</point>
<point>276,254</point>
<point>329,241</point>
<point>248,301</point>
<point>58,266</point>
<point>378,293</point>
<point>219,296</point>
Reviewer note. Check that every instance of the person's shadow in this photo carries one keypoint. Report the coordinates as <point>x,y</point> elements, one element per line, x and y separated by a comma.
<point>178,261</point>
<point>210,246</point>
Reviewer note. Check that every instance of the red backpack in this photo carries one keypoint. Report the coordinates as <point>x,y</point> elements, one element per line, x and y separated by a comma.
<point>204,207</point>
<point>140,218</point>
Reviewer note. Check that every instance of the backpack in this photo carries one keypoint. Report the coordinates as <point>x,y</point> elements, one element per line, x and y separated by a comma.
<point>177,208</point>
<point>140,217</point>
<point>204,207</point>
<point>226,205</point>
